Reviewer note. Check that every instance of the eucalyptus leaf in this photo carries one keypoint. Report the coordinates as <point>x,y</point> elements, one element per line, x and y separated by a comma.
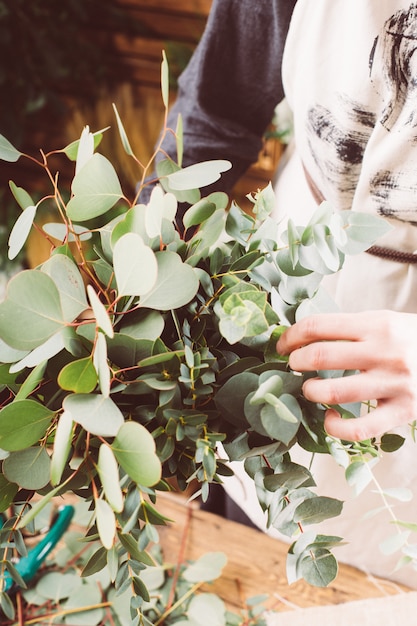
<point>85,596</point>
<point>207,608</point>
<point>106,523</point>
<point>206,568</point>
<point>31,312</point>
<point>319,568</point>
<point>31,382</point>
<point>96,189</point>
<point>101,365</point>
<point>21,196</point>
<point>8,490</point>
<point>7,151</point>
<point>85,149</point>
<point>134,449</point>
<point>69,282</point>
<point>122,133</point>
<point>23,423</point>
<point>71,150</point>
<point>60,232</point>
<point>100,312</point>
<point>41,354</point>
<point>175,286</point>
<point>315,510</point>
<point>109,475</point>
<point>160,206</point>
<point>78,376</point>
<point>29,468</point>
<point>57,585</point>
<point>135,266</point>
<point>61,447</point>
<point>20,231</point>
<point>97,414</point>
<point>165,80</point>
<point>198,175</point>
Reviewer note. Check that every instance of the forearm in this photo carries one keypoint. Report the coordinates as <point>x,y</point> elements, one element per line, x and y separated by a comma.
<point>229,90</point>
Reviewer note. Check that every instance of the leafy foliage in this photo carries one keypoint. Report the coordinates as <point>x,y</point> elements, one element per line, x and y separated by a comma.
<point>40,60</point>
<point>168,592</point>
<point>133,352</point>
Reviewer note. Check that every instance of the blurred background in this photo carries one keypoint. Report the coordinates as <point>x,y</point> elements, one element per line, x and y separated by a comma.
<point>63,64</point>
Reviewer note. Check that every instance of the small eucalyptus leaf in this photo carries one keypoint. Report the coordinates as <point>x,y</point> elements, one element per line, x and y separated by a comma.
<point>7,151</point>
<point>20,231</point>
<point>78,376</point>
<point>106,523</point>
<point>62,446</point>
<point>122,133</point>
<point>108,470</point>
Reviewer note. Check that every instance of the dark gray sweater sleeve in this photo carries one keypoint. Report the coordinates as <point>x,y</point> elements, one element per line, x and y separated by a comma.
<point>228,92</point>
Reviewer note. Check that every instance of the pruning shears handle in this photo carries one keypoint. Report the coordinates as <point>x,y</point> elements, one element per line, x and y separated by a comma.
<point>28,566</point>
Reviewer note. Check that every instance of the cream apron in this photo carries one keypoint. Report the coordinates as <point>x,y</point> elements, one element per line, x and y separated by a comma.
<point>350,76</point>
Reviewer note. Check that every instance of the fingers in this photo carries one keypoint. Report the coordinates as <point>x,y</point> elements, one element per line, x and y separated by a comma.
<point>373,424</point>
<point>325,327</point>
<point>334,355</point>
<point>354,388</point>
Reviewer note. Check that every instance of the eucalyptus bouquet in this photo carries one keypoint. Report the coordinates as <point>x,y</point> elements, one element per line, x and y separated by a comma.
<point>132,352</point>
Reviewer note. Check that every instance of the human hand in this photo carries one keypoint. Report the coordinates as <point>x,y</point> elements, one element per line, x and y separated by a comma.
<point>381,345</point>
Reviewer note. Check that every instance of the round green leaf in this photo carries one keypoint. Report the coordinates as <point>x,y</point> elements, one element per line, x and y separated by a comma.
<point>207,608</point>
<point>97,414</point>
<point>135,266</point>
<point>30,468</point>
<point>85,595</point>
<point>58,585</point>
<point>319,567</point>
<point>207,568</point>
<point>134,448</point>
<point>96,189</point>
<point>22,424</point>
<point>176,285</point>
<point>199,212</point>
<point>78,376</point>
<point>69,282</point>
<point>31,312</point>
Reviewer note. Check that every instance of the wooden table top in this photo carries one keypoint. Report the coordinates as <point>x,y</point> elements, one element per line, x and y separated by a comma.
<point>256,563</point>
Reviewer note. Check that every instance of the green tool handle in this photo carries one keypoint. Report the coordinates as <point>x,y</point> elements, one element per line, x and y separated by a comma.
<point>29,565</point>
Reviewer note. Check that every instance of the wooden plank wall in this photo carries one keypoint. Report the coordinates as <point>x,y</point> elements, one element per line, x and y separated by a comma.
<point>171,25</point>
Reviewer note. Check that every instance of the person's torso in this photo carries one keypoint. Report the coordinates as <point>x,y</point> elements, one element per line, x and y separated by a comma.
<point>350,74</point>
